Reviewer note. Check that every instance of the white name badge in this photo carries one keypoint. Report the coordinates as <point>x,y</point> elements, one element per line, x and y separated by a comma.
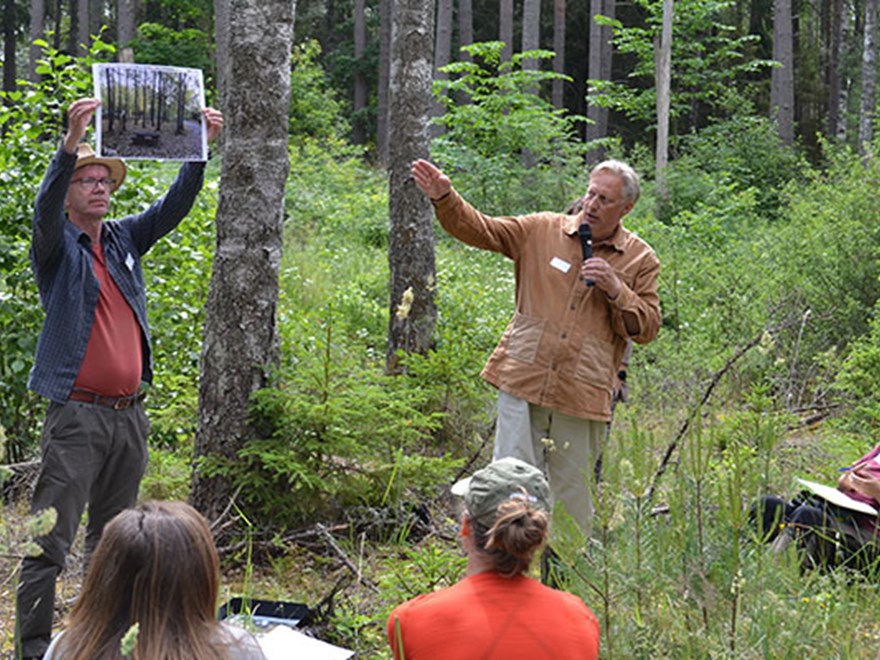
<point>560,264</point>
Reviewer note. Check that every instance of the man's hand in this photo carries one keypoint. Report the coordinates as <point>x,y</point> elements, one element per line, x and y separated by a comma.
<point>603,275</point>
<point>79,114</point>
<point>213,123</point>
<point>430,179</point>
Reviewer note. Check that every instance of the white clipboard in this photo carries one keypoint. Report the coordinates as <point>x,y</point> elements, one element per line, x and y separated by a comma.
<point>838,497</point>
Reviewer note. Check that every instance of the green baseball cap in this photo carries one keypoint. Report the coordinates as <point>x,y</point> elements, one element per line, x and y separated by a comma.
<point>499,482</point>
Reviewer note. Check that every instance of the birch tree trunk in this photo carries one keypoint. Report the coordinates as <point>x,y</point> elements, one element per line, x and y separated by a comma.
<point>663,78</point>
<point>663,82</point>
<point>240,342</point>
<point>869,78</point>
<point>413,312</point>
<point>782,77</point>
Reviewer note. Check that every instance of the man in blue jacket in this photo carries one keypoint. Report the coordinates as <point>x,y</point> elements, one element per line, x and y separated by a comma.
<point>93,352</point>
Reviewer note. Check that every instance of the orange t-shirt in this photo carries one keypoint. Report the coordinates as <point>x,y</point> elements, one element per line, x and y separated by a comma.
<point>113,363</point>
<point>489,616</point>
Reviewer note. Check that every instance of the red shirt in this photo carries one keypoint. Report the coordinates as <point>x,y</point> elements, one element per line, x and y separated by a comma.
<point>487,615</point>
<point>113,363</point>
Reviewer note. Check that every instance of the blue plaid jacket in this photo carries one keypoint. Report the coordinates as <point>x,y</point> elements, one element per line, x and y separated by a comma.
<point>61,257</point>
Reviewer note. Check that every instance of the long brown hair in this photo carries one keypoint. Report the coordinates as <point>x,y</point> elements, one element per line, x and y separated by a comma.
<point>155,566</point>
<point>517,533</point>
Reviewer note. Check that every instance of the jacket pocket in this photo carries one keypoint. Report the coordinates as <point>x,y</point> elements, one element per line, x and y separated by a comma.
<point>524,337</point>
<point>595,363</point>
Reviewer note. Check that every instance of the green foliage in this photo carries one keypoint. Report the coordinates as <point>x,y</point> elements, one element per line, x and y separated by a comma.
<point>498,129</point>
<point>190,47</point>
<point>334,435</point>
<point>858,383</point>
<point>689,583</point>
<point>315,109</point>
<point>177,273</point>
<point>742,153</point>
<point>32,118</point>
<point>709,63</point>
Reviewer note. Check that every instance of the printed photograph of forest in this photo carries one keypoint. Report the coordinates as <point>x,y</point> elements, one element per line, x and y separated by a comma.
<point>150,111</point>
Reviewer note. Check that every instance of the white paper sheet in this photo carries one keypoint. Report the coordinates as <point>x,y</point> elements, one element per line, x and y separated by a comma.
<point>284,643</point>
<point>837,497</point>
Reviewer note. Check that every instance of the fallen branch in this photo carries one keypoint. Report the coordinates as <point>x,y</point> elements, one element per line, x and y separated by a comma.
<point>716,378</point>
<point>328,538</point>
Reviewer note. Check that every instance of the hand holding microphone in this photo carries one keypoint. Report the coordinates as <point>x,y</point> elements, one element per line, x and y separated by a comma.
<point>586,236</point>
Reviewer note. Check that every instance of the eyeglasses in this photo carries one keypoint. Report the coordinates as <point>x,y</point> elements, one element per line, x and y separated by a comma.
<point>92,182</point>
<point>602,199</point>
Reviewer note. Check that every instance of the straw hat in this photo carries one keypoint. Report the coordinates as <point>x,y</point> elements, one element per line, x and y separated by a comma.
<point>85,155</point>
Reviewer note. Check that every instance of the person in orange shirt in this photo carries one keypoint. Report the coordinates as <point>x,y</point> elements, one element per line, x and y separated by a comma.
<point>497,610</point>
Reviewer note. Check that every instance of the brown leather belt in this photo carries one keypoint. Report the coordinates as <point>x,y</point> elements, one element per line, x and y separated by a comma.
<point>115,402</point>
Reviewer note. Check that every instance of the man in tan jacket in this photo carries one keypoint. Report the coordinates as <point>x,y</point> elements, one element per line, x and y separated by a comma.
<point>556,363</point>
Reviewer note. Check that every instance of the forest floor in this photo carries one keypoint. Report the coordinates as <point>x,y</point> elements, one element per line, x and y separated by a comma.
<point>331,568</point>
<point>349,573</point>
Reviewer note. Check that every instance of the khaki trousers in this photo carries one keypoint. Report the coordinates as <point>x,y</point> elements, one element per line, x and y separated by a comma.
<point>565,448</point>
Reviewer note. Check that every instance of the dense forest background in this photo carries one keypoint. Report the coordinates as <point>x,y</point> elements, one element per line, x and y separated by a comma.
<point>752,124</point>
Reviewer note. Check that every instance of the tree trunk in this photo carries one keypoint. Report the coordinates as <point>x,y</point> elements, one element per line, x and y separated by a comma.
<point>73,46</point>
<point>411,245</point>
<point>663,77</point>
<point>869,78</point>
<point>531,30</point>
<point>598,68</point>
<point>359,133</point>
<point>465,27</point>
<point>96,18</point>
<point>558,90</point>
<point>82,23</point>
<point>386,9</point>
<point>9,78</point>
<point>240,342</point>
<point>38,15</point>
<point>442,54</point>
<point>505,29</point>
<point>126,21</point>
<point>222,22</point>
<point>782,77</point>
<point>835,48</point>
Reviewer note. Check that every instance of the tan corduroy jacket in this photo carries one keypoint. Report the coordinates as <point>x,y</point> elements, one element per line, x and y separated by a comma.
<point>565,341</point>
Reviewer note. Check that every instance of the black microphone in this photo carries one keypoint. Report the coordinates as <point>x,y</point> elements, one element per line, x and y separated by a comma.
<point>586,236</point>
